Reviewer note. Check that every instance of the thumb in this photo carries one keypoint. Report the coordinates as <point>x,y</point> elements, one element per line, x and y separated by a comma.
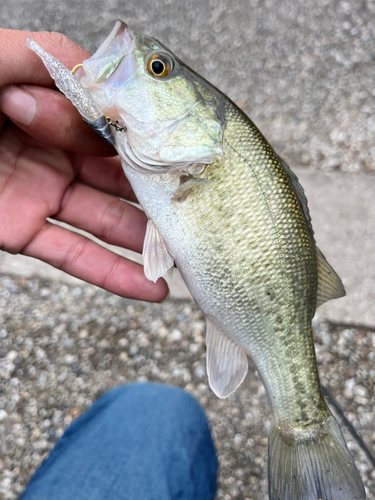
<point>48,116</point>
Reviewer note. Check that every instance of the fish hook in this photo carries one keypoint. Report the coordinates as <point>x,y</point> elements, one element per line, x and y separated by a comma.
<point>113,123</point>
<point>101,126</point>
<point>76,67</point>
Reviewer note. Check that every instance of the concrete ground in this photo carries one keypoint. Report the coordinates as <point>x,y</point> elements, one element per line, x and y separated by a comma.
<point>304,72</point>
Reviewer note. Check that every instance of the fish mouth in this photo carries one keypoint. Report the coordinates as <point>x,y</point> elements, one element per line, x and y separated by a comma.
<point>104,62</point>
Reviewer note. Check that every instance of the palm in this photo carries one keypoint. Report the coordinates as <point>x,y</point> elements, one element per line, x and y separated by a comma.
<point>39,179</point>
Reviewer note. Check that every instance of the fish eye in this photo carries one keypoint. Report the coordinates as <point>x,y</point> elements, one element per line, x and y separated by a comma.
<point>160,65</point>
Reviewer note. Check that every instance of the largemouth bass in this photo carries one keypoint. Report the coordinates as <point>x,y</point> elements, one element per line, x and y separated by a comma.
<point>228,211</point>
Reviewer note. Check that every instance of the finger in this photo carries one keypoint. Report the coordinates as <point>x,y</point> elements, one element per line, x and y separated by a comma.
<point>106,217</point>
<point>3,119</point>
<point>19,64</point>
<point>105,174</point>
<point>48,116</point>
<point>33,181</point>
<point>90,262</point>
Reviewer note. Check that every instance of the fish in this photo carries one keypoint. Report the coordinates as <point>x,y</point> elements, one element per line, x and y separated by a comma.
<point>228,211</point>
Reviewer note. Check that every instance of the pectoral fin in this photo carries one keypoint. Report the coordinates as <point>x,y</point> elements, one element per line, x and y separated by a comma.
<point>226,362</point>
<point>157,257</point>
<point>329,283</point>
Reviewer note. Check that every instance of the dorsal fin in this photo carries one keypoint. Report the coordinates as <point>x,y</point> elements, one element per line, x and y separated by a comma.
<point>329,283</point>
<point>157,257</point>
<point>226,362</point>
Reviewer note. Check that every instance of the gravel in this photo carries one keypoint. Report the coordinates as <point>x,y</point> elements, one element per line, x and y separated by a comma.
<point>62,346</point>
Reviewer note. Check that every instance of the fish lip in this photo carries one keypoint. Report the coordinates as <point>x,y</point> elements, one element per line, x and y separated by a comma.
<point>118,30</point>
<point>115,47</point>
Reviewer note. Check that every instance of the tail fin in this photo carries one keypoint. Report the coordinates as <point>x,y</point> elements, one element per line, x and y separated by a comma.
<point>312,465</point>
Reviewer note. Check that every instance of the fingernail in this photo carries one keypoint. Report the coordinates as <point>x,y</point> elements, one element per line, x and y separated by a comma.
<point>18,105</point>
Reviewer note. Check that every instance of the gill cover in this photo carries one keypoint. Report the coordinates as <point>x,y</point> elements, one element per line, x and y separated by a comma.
<point>172,115</point>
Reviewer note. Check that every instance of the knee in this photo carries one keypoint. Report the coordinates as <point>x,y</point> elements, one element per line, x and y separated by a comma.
<point>154,398</point>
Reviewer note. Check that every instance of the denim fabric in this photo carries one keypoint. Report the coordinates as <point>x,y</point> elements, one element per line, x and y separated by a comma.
<point>137,442</point>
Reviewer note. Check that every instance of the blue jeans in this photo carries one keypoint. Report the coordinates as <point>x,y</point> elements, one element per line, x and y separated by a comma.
<point>137,442</point>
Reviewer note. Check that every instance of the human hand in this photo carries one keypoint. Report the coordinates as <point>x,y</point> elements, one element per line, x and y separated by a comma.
<point>52,165</point>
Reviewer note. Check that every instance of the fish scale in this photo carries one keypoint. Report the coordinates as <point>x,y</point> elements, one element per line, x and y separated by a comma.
<point>237,187</point>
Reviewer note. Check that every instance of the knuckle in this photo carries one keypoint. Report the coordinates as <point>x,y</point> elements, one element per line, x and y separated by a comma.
<point>75,253</point>
<point>56,41</point>
<point>113,217</point>
<point>111,275</point>
<point>124,188</point>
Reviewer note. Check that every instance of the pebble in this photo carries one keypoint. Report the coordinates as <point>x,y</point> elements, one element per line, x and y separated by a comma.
<point>200,370</point>
<point>361,391</point>
<point>68,343</point>
<point>194,348</point>
<point>12,355</point>
<point>237,441</point>
<point>83,333</point>
<point>175,335</point>
<point>123,343</point>
<point>123,356</point>
<point>133,349</point>
<point>6,368</point>
<point>69,359</point>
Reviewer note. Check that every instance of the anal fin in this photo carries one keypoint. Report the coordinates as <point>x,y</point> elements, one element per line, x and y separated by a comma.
<point>157,257</point>
<point>227,363</point>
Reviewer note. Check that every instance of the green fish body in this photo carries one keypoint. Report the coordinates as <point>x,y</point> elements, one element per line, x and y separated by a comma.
<point>232,216</point>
